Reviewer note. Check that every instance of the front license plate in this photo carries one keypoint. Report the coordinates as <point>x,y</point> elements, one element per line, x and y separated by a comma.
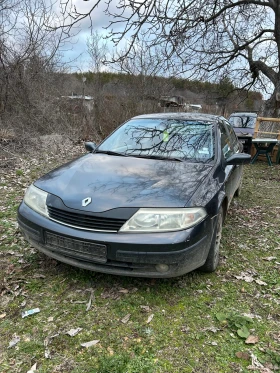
<point>76,248</point>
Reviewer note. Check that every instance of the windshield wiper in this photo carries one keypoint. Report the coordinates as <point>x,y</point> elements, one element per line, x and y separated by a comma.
<point>110,152</point>
<point>156,157</point>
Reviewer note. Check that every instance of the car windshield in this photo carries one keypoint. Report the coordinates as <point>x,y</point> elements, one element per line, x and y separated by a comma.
<point>162,138</point>
<point>242,121</point>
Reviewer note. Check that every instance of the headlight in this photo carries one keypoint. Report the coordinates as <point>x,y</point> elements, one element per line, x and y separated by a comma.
<point>163,220</point>
<point>36,199</point>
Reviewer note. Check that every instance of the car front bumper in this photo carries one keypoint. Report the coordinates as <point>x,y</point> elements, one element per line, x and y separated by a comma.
<point>153,255</point>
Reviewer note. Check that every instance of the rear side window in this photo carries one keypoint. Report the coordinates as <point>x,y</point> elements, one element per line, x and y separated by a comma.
<point>229,141</point>
<point>232,137</point>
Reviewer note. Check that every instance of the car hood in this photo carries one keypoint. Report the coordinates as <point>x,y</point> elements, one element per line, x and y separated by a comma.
<point>116,182</point>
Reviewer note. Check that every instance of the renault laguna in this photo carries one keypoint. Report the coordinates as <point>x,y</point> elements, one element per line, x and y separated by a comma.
<point>149,201</point>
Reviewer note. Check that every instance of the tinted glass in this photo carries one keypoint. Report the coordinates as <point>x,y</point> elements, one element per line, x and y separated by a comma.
<point>166,138</point>
<point>225,141</point>
<point>234,143</point>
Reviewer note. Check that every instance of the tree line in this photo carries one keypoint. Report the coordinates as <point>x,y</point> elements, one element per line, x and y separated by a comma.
<point>223,53</point>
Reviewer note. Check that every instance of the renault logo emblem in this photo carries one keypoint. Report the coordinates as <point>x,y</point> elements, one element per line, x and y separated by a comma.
<point>86,201</point>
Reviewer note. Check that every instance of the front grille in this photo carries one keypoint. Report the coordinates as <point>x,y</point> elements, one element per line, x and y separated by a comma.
<point>85,221</point>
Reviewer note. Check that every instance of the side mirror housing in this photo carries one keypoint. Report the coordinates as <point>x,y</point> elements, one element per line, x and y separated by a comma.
<point>90,146</point>
<point>239,158</point>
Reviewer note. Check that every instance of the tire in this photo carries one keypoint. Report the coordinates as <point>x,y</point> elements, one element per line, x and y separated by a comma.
<point>212,260</point>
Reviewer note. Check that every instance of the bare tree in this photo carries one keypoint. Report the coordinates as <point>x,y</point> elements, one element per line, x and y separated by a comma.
<point>207,39</point>
<point>146,63</point>
<point>97,49</point>
<point>29,58</point>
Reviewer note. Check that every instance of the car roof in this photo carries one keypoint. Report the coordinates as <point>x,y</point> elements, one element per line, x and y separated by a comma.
<point>181,116</point>
<point>244,113</point>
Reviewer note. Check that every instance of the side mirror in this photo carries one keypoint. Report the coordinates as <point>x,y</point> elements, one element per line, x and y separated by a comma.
<point>239,158</point>
<point>90,146</point>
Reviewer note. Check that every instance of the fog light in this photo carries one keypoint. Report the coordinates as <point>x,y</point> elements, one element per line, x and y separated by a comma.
<point>162,268</point>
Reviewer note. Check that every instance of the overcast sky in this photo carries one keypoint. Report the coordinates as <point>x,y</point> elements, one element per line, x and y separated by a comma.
<point>76,52</point>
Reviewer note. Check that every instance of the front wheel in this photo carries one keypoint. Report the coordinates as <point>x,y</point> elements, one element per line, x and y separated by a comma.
<point>212,260</point>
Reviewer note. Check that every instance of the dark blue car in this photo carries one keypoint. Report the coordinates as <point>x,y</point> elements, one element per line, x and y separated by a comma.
<point>149,201</point>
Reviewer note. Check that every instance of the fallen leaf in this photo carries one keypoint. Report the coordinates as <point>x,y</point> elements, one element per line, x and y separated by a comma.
<point>269,258</point>
<point>125,319</point>
<point>185,329</point>
<point>39,275</point>
<point>47,354</point>
<point>145,308</point>
<point>73,332</point>
<point>90,343</point>
<point>260,282</point>
<point>252,339</point>
<point>242,355</point>
<point>150,318</point>
<point>90,301</point>
<point>3,315</point>
<point>256,365</point>
<point>124,291</point>
<point>33,368</point>
<point>212,329</point>
<point>245,278</point>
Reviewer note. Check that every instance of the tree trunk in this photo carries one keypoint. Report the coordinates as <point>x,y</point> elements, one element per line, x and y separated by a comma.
<point>272,106</point>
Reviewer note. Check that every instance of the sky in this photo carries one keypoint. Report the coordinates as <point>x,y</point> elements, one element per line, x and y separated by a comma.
<point>75,53</point>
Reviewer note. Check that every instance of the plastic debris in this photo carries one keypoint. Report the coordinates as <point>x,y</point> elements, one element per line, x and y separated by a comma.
<point>14,341</point>
<point>90,343</point>
<point>29,312</point>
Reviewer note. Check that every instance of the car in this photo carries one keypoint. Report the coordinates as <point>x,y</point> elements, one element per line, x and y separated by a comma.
<point>244,124</point>
<point>149,201</point>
